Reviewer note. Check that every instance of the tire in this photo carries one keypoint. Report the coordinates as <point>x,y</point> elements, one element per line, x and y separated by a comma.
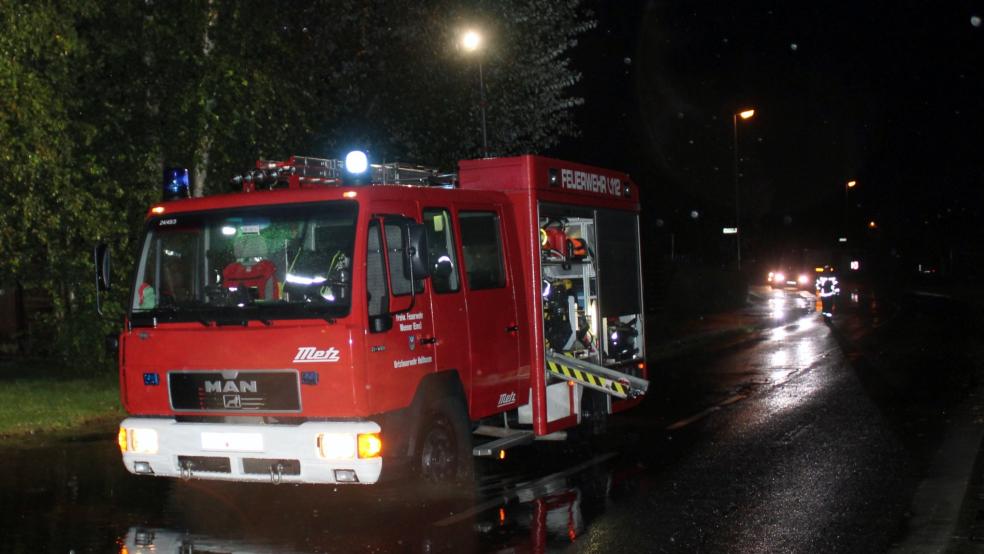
<point>593,428</point>
<point>594,413</point>
<point>443,453</point>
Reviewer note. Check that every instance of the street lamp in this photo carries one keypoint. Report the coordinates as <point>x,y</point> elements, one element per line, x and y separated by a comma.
<point>471,41</point>
<point>744,114</point>
<point>847,189</point>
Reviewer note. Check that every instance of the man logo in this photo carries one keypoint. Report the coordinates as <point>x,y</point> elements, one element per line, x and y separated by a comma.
<point>230,386</point>
<point>310,355</point>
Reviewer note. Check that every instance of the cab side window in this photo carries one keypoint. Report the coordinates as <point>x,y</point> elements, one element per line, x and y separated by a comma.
<point>396,241</point>
<point>440,243</point>
<point>481,245</point>
<point>376,272</point>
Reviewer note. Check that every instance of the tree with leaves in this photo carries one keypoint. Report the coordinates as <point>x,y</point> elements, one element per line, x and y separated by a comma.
<point>97,98</point>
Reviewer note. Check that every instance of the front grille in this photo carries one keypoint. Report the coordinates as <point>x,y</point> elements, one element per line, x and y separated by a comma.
<point>205,464</point>
<point>260,466</point>
<point>235,391</point>
<point>242,419</point>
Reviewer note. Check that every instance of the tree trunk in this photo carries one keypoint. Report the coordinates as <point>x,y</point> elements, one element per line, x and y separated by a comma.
<point>200,171</point>
<point>202,153</point>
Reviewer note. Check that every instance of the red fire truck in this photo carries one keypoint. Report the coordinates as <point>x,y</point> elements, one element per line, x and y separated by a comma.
<point>339,320</point>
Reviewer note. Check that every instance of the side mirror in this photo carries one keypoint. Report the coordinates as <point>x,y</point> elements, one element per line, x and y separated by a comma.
<point>417,259</point>
<point>112,344</point>
<point>101,258</point>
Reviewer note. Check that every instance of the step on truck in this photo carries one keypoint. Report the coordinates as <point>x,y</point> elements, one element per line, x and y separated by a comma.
<point>342,321</point>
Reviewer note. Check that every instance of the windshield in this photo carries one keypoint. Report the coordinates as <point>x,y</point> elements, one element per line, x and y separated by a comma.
<point>249,263</point>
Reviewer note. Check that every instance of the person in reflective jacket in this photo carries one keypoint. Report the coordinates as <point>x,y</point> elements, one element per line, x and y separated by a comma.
<point>828,291</point>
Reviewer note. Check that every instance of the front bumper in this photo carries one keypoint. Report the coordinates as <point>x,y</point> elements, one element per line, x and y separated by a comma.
<point>260,453</point>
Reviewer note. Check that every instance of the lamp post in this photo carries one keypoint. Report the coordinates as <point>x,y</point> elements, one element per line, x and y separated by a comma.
<point>744,114</point>
<point>847,189</point>
<point>471,41</point>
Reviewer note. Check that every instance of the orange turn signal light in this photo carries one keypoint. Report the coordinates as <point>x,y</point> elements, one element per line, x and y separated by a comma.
<point>370,445</point>
<point>121,439</point>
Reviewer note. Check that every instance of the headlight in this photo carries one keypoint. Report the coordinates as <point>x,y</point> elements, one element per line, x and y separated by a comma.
<point>780,277</point>
<point>138,441</point>
<point>804,279</point>
<point>336,446</point>
<point>346,446</point>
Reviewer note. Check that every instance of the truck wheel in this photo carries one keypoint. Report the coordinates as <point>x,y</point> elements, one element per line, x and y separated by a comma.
<point>443,454</point>
<point>594,418</point>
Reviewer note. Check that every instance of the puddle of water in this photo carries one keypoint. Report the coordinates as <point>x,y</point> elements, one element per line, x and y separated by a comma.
<point>76,496</point>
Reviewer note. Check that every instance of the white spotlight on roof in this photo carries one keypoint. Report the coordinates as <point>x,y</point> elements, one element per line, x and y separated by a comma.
<point>356,162</point>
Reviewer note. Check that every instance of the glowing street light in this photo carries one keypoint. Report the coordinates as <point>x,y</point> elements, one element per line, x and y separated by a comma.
<point>744,114</point>
<point>471,42</point>
<point>847,189</point>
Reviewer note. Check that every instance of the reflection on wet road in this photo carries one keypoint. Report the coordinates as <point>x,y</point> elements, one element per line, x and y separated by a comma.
<point>76,497</point>
<point>771,444</point>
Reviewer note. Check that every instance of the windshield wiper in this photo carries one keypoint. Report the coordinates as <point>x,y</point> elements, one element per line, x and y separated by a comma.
<point>193,315</point>
<point>321,310</point>
<point>167,314</point>
<point>241,319</point>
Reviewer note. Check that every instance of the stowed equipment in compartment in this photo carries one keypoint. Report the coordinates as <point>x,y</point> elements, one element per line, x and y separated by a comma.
<point>568,287</point>
<point>581,255</point>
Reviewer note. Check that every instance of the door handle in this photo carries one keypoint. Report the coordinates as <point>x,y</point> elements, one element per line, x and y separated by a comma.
<point>428,340</point>
<point>512,328</point>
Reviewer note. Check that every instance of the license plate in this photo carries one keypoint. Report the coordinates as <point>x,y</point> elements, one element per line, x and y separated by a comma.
<point>239,442</point>
<point>234,391</point>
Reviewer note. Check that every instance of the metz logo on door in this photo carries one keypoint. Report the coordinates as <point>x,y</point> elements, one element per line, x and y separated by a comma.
<point>311,354</point>
<point>506,399</point>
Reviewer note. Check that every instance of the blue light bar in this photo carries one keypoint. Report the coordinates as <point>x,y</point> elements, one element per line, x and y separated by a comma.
<point>175,183</point>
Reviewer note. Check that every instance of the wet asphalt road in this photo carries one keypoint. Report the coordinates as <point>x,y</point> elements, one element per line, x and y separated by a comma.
<point>803,437</point>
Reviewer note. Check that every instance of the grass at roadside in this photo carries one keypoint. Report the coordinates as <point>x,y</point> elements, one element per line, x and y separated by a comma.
<point>48,402</point>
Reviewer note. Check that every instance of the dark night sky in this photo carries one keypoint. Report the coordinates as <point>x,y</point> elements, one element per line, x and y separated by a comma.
<point>888,93</point>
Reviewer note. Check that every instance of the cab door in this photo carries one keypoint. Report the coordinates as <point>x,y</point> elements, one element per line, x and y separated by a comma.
<point>493,326</point>
<point>400,322</point>
<point>451,342</point>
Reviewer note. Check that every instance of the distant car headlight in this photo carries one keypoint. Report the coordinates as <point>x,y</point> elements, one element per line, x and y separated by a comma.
<point>780,277</point>
<point>804,279</point>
